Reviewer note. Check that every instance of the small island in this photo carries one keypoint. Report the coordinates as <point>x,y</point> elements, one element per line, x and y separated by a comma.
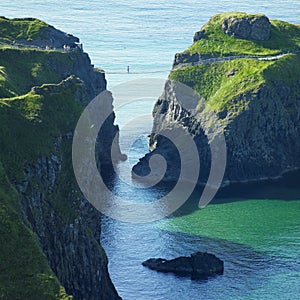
<point>199,265</point>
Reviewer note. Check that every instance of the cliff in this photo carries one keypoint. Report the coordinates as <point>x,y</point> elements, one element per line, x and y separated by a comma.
<point>244,69</point>
<point>49,233</point>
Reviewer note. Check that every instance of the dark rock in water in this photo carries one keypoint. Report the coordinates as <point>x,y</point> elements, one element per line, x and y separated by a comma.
<point>199,265</point>
<point>251,28</point>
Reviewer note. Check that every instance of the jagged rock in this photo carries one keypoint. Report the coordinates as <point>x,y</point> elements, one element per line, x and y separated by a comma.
<point>181,58</point>
<point>199,265</point>
<point>72,249</point>
<point>251,28</point>
<point>199,35</point>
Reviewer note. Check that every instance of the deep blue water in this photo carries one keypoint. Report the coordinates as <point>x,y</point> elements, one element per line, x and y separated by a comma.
<point>145,35</point>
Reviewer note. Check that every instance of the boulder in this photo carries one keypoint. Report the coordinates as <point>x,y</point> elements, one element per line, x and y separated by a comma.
<point>199,35</point>
<point>250,27</point>
<point>186,57</point>
<point>199,265</point>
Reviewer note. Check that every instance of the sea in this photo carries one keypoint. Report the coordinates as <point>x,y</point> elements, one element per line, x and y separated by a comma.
<point>256,232</point>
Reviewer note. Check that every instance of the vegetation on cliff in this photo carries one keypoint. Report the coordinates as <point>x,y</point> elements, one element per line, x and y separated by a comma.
<point>284,37</point>
<point>25,272</point>
<point>254,92</point>
<point>42,94</point>
<point>14,29</point>
<point>29,126</point>
<point>220,84</point>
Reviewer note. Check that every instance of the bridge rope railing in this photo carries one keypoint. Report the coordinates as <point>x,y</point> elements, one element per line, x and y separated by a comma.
<point>179,66</point>
<point>207,61</point>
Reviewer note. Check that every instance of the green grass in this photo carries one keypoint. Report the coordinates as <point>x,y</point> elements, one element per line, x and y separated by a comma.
<point>285,37</point>
<point>31,121</point>
<point>29,127</point>
<point>24,270</point>
<point>21,69</point>
<point>25,29</point>
<point>222,85</point>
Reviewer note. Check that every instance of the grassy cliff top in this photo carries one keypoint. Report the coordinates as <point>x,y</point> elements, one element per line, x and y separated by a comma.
<point>33,33</point>
<point>223,84</point>
<point>285,37</point>
<point>25,29</point>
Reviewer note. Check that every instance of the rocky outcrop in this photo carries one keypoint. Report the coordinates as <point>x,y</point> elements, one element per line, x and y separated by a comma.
<point>77,64</point>
<point>199,265</point>
<point>250,28</point>
<point>257,115</point>
<point>48,36</point>
<point>199,35</point>
<point>181,58</point>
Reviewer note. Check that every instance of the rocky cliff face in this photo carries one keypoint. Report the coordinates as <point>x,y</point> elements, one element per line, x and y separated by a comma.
<point>262,141</point>
<point>70,237</point>
<point>257,105</point>
<point>36,137</point>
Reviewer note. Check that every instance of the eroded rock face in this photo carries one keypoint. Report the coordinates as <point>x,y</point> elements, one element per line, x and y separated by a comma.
<point>199,265</point>
<point>250,28</point>
<point>262,142</point>
<point>71,246</point>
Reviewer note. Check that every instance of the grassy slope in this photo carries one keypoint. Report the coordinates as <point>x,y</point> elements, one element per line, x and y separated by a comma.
<point>223,84</point>
<point>216,84</point>
<point>285,37</point>
<point>25,29</point>
<point>24,270</point>
<point>22,69</point>
<point>29,126</point>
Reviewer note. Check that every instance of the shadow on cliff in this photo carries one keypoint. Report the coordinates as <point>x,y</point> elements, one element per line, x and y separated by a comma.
<point>286,188</point>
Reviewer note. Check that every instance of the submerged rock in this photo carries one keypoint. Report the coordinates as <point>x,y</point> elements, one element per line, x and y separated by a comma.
<point>199,265</point>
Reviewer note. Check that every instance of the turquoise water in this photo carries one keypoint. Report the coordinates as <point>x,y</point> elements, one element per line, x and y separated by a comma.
<point>258,238</point>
